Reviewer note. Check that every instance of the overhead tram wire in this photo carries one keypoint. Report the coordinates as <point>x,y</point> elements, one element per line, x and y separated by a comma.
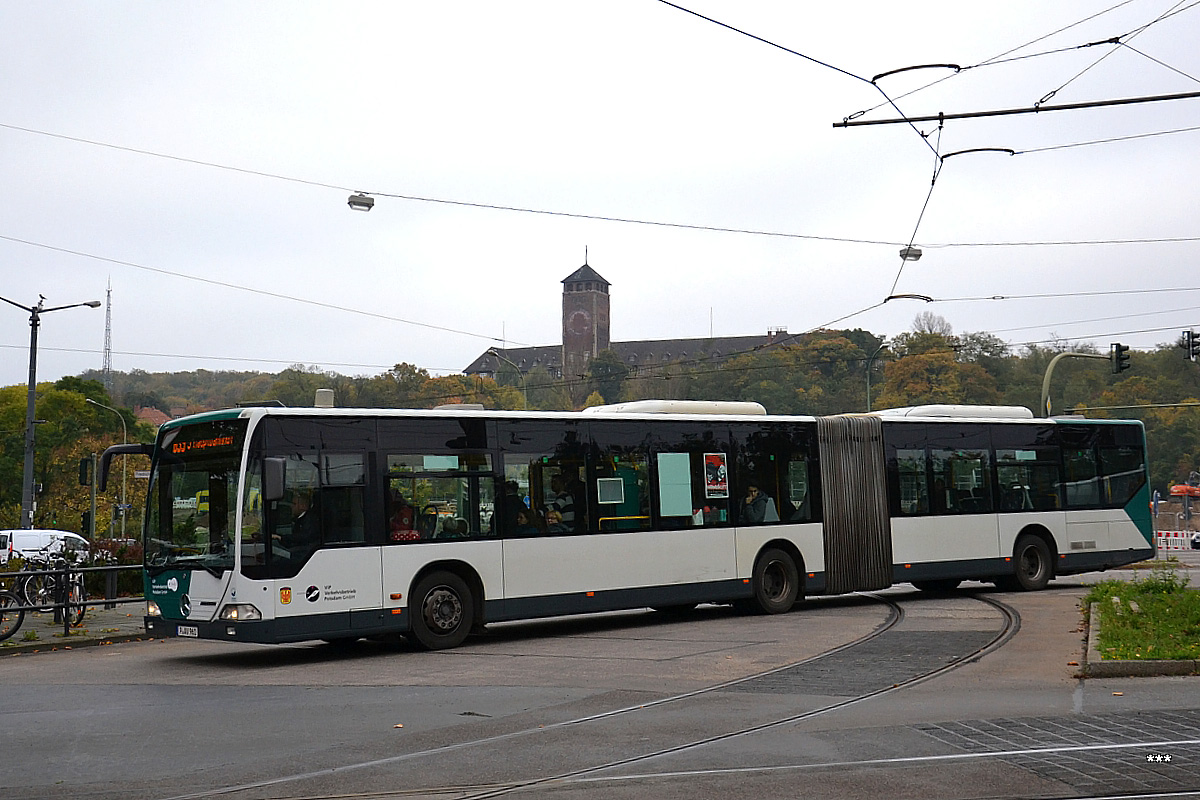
<point>1002,58</point>
<point>1156,312</point>
<point>235,359</point>
<point>263,292</point>
<point>169,157</point>
<point>996,59</point>
<point>1054,295</point>
<point>598,217</point>
<point>809,58</point>
<point>874,82</point>
<point>460,203</point>
<point>1117,41</point>
<point>1161,63</point>
<point>1111,140</point>
<point>1035,109</point>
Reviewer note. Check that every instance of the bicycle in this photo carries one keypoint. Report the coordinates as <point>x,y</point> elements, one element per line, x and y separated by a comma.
<point>11,613</point>
<point>41,590</point>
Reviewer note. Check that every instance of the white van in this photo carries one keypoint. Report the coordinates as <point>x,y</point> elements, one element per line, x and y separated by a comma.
<point>26,542</point>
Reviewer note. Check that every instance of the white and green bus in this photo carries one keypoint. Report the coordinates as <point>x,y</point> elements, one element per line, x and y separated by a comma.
<point>345,523</point>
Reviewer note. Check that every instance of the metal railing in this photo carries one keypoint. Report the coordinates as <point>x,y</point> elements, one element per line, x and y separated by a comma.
<point>62,604</point>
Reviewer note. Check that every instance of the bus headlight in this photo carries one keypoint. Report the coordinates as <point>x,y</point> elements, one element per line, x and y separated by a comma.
<point>240,612</point>
<point>152,609</point>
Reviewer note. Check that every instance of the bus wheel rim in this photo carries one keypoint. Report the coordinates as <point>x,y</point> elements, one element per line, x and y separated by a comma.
<point>1031,562</point>
<point>443,609</point>
<point>775,581</point>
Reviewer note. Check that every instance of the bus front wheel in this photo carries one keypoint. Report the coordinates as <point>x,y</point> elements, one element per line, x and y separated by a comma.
<point>1032,565</point>
<point>776,583</point>
<point>443,611</point>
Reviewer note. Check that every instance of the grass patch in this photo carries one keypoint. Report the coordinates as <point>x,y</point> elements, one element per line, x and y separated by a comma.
<point>1155,616</point>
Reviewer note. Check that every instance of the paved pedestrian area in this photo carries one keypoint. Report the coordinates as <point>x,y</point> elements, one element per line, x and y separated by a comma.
<point>1102,753</point>
<point>101,626</point>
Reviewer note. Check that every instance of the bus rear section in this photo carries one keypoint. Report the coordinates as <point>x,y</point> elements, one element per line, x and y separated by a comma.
<point>1013,500</point>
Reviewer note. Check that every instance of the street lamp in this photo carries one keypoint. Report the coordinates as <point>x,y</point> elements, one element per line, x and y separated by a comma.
<point>124,458</point>
<point>35,313</point>
<point>524,389</point>
<point>361,202</point>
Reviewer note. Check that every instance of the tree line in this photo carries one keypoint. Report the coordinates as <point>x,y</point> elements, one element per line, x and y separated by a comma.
<point>819,373</point>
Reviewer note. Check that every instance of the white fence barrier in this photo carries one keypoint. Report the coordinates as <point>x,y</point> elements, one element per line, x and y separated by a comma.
<point>1174,540</point>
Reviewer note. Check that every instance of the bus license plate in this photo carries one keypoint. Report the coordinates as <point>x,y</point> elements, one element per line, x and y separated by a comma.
<point>187,630</point>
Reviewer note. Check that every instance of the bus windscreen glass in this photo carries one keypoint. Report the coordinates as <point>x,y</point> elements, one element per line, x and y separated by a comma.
<point>193,497</point>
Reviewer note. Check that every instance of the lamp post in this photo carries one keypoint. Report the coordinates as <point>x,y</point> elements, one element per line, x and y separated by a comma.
<point>124,458</point>
<point>524,388</point>
<point>870,362</point>
<point>35,313</point>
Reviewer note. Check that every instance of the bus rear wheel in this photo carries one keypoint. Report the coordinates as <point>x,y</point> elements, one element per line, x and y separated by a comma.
<point>776,583</point>
<point>443,611</point>
<point>1031,566</point>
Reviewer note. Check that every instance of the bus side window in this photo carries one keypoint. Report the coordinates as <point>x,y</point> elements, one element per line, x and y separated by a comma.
<point>961,480</point>
<point>343,480</point>
<point>1123,474</point>
<point>779,462</point>
<point>914,488</point>
<point>620,471</point>
<point>542,472</point>
<point>438,496</point>
<point>1082,479</point>
<point>692,464</point>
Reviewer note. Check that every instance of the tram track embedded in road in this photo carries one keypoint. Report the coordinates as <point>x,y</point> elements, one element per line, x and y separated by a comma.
<point>477,791</point>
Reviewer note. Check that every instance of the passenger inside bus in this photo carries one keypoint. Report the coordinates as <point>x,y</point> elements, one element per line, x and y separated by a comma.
<point>563,503</point>
<point>304,534</point>
<point>513,505</point>
<point>754,505</point>
<point>758,507</point>
<point>402,520</point>
<point>526,523</point>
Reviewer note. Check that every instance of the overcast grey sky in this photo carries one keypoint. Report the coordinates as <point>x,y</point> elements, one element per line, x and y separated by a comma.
<point>626,109</point>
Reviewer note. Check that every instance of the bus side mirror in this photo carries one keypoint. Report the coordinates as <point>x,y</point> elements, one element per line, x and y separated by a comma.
<point>274,470</point>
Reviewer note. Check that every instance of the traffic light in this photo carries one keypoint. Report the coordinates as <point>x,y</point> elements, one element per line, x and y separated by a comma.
<point>86,523</point>
<point>85,471</point>
<point>1119,355</point>
<point>1191,345</point>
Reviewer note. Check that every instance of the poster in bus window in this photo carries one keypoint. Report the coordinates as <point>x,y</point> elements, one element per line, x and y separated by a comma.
<point>716,476</point>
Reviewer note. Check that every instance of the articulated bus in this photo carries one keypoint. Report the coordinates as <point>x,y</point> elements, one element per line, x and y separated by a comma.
<point>335,524</point>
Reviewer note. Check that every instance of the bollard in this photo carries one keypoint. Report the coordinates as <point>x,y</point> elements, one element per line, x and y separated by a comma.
<point>110,587</point>
<point>60,597</point>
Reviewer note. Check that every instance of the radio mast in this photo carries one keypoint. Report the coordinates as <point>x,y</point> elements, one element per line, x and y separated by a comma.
<point>107,368</point>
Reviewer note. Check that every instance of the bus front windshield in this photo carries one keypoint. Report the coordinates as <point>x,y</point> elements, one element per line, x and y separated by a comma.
<point>193,497</point>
